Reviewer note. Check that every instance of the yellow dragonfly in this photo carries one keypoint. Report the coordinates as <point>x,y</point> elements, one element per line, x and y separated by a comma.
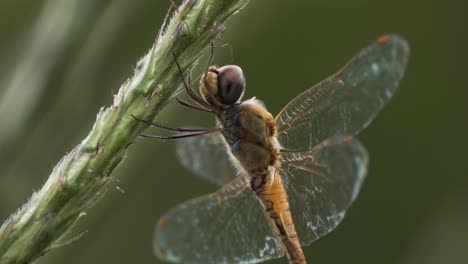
<point>286,181</point>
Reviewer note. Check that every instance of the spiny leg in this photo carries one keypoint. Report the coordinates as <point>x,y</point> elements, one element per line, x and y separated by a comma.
<point>194,106</point>
<point>189,90</point>
<point>182,135</point>
<point>183,103</point>
<point>170,128</point>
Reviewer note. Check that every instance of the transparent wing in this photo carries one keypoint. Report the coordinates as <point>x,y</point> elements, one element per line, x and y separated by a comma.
<point>347,101</point>
<point>322,183</point>
<point>208,157</point>
<point>228,226</point>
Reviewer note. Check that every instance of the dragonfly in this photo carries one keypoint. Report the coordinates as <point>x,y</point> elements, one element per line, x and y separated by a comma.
<point>285,181</point>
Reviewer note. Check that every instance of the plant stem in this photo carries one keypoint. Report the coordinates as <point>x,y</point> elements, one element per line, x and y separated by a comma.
<point>82,176</point>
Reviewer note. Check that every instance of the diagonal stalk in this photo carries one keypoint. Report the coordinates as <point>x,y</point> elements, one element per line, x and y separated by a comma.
<point>81,177</point>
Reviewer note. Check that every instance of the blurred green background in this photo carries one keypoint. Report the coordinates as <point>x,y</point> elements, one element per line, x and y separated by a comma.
<point>61,60</point>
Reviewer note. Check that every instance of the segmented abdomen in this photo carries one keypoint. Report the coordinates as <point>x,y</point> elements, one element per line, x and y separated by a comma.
<point>272,195</point>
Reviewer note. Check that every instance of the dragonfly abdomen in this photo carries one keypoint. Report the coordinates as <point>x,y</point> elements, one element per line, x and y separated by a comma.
<point>272,195</point>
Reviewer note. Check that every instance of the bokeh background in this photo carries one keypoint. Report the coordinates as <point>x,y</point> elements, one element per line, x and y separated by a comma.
<point>61,60</point>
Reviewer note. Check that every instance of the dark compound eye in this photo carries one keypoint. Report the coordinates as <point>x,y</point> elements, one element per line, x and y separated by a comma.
<point>230,84</point>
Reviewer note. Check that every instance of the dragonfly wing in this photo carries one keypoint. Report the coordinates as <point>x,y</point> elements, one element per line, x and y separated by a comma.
<point>228,226</point>
<point>322,184</point>
<point>207,156</point>
<point>346,102</point>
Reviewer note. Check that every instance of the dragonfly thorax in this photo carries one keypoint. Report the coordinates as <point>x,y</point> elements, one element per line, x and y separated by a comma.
<point>250,131</point>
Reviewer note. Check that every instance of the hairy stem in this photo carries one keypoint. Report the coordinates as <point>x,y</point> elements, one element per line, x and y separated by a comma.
<point>82,176</point>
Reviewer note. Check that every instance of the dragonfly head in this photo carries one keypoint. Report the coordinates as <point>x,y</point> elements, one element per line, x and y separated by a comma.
<point>223,87</point>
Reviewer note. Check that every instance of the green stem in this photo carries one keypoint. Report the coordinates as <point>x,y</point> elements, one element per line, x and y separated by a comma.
<point>82,176</point>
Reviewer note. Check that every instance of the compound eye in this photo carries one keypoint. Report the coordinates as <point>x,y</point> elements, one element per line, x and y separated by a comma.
<point>230,84</point>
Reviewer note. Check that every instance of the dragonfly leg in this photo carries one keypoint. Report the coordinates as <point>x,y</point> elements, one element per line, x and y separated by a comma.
<point>194,106</point>
<point>170,128</point>
<point>194,96</point>
<point>185,135</point>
